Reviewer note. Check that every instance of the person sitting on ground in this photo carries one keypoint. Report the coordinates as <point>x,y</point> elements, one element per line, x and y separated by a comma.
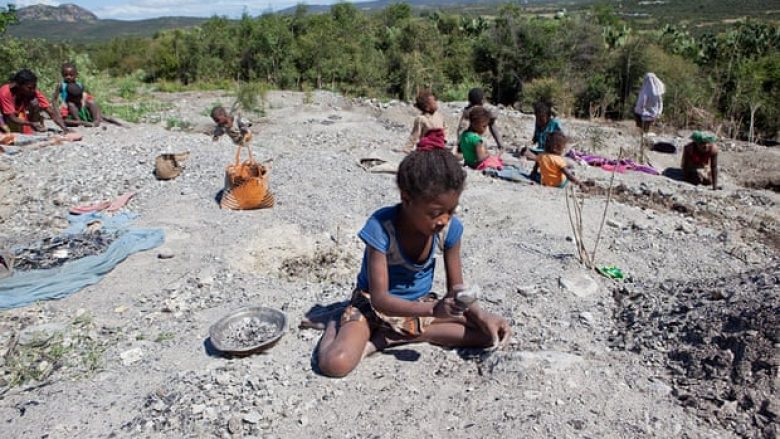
<point>697,155</point>
<point>235,127</point>
<point>428,128</point>
<point>471,144</point>
<point>551,168</point>
<point>21,103</point>
<point>78,107</point>
<point>546,124</point>
<point>477,99</point>
<point>392,303</point>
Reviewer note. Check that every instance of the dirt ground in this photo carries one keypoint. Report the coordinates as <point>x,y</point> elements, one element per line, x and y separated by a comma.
<point>685,346</point>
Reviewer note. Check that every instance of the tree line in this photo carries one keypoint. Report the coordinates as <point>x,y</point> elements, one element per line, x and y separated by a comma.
<point>587,64</point>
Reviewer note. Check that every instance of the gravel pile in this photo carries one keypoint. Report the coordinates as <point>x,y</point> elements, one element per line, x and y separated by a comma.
<point>720,340</point>
<point>233,400</point>
<point>248,332</point>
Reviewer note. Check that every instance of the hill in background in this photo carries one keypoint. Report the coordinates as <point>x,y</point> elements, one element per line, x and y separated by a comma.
<point>70,22</point>
<point>67,12</point>
<point>73,23</point>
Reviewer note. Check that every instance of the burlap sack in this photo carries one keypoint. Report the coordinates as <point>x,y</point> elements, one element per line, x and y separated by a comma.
<point>246,185</point>
<point>168,166</point>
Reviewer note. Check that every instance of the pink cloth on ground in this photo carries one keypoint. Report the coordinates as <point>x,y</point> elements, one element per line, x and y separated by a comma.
<point>109,206</point>
<point>491,162</point>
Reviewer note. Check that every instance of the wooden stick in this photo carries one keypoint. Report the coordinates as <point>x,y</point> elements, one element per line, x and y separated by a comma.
<point>606,208</point>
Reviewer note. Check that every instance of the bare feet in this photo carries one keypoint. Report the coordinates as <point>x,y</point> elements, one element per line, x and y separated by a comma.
<point>319,316</point>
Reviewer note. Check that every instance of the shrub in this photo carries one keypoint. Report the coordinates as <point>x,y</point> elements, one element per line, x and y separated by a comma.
<point>549,90</point>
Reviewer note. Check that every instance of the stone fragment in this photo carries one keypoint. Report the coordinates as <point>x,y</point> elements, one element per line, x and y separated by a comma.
<point>587,318</point>
<point>520,361</point>
<point>234,425</point>
<point>131,356</point>
<point>581,285</point>
<point>252,418</point>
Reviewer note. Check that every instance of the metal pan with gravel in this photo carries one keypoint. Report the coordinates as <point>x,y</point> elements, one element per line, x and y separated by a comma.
<point>248,330</point>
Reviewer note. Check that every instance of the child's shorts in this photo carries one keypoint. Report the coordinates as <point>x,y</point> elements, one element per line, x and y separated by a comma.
<point>360,309</point>
<point>83,114</point>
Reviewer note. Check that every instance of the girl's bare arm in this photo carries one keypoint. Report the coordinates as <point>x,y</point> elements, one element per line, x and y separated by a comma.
<point>570,175</point>
<point>453,267</point>
<point>381,299</point>
<point>482,152</point>
<point>414,136</point>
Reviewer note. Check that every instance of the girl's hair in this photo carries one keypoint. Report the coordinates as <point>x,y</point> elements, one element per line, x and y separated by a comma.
<point>68,65</point>
<point>541,107</point>
<point>427,174</point>
<point>24,76</point>
<point>422,99</point>
<point>479,115</point>
<point>476,97</point>
<point>553,140</point>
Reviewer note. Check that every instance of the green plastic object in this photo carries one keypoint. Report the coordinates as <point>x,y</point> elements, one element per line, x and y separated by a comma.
<point>704,137</point>
<point>611,272</point>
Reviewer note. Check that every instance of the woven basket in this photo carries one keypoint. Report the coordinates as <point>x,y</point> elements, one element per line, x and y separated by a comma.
<point>246,184</point>
<point>168,166</point>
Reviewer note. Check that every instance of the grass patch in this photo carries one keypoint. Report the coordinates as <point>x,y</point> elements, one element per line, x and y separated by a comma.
<point>164,336</point>
<point>75,352</point>
<point>178,87</point>
<point>251,97</point>
<point>176,124</point>
<point>140,111</point>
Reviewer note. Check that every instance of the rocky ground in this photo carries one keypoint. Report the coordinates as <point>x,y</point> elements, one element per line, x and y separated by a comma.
<point>686,346</point>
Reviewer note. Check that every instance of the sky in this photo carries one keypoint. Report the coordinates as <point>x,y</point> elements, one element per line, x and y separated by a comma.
<point>140,9</point>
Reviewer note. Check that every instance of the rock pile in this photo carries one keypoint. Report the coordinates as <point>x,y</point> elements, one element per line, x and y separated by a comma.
<point>231,400</point>
<point>719,338</point>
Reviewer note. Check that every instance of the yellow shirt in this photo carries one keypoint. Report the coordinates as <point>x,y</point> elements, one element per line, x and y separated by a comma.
<point>551,169</point>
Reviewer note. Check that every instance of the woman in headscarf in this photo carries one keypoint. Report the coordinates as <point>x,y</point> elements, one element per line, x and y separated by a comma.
<point>699,154</point>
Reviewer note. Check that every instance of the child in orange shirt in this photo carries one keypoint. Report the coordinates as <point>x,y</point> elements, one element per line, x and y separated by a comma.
<point>551,168</point>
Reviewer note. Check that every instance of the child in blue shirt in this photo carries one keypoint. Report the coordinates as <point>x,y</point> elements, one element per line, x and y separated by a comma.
<point>545,125</point>
<point>392,303</point>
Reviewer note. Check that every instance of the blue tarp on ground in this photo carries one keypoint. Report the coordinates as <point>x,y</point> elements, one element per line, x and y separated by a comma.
<point>24,288</point>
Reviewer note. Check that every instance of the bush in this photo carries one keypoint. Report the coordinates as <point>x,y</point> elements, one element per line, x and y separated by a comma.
<point>597,97</point>
<point>251,96</point>
<point>549,90</point>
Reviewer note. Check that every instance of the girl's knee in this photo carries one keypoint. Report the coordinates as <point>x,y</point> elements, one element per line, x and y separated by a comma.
<point>336,363</point>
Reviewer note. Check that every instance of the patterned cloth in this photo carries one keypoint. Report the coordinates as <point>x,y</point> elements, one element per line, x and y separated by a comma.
<point>360,309</point>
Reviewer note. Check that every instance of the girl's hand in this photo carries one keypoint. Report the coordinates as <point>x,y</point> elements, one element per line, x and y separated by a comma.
<point>497,327</point>
<point>447,308</point>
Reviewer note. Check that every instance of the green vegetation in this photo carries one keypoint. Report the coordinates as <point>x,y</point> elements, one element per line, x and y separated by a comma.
<point>75,352</point>
<point>588,62</point>
<point>164,336</point>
